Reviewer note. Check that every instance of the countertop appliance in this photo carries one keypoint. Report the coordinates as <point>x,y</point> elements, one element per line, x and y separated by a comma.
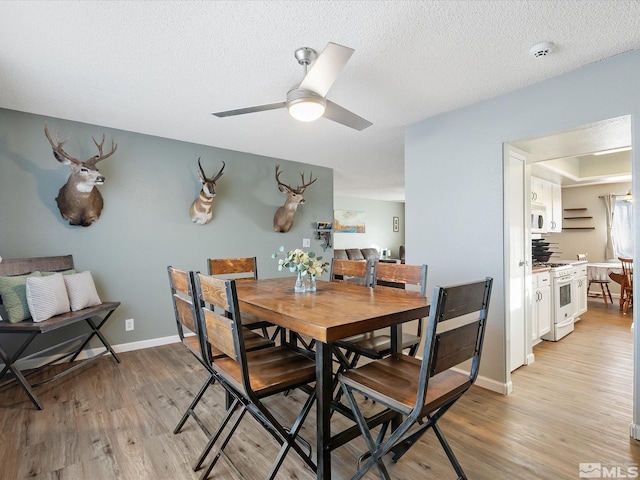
<point>562,298</point>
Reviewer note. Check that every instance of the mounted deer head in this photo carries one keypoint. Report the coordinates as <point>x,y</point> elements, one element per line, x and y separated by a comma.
<point>79,201</point>
<point>201,207</point>
<point>283,219</point>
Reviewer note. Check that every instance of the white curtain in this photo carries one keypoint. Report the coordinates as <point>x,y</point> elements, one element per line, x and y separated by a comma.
<point>609,203</point>
<point>621,229</point>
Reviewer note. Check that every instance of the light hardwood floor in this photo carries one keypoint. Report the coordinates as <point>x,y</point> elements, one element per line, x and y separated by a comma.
<point>110,421</point>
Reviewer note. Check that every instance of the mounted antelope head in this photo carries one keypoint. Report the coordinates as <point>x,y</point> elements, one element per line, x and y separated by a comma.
<point>283,219</point>
<point>201,207</point>
<point>79,201</point>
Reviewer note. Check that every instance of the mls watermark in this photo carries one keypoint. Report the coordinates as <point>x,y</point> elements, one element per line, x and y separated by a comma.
<point>608,470</point>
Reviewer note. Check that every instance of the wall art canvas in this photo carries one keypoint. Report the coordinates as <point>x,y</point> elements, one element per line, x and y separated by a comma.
<point>348,221</point>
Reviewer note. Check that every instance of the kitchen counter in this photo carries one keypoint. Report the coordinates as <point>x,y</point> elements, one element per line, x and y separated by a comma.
<point>535,269</point>
<point>572,262</point>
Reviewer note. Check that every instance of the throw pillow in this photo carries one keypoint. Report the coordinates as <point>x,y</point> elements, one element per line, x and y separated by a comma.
<point>47,297</point>
<point>64,272</point>
<point>81,290</point>
<point>13,291</point>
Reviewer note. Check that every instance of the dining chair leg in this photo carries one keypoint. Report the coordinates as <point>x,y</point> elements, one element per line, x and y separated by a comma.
<point>452,458</point>
<point>219,431</point>
<point>190,411</point>
<point>292,437</point>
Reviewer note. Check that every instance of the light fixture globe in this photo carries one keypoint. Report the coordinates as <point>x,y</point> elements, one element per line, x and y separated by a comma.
<point>304,105</point>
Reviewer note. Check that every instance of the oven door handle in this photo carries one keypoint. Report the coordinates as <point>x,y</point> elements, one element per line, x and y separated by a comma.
<point>565,322</point>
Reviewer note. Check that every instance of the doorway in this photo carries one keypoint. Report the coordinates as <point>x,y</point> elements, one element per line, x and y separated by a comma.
<point>583,161</point>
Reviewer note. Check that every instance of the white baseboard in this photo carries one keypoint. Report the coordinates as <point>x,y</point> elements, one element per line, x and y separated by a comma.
<point>634,431</point>
<point>35,362</point>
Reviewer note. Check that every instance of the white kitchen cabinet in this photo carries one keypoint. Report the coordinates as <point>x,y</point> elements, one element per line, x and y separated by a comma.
<point>580,284</point>
<point>541,311</point>
<point>554,211</point>
<point>549,196</point>
<point>540,191</point>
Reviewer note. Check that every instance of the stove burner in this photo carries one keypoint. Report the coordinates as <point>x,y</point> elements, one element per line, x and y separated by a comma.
<point>551,264</point>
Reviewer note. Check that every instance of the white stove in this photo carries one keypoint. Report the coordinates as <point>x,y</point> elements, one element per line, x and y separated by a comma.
<point>562,300</point>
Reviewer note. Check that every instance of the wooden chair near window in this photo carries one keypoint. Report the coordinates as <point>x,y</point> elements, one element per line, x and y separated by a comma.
<point>243,268</point>
<point>603,282</point>
<point>250,377</point>
<point>422,391</point>
<point>626,287</point>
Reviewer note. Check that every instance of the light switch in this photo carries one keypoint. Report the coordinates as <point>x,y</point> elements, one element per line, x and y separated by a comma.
<point>306,242</point>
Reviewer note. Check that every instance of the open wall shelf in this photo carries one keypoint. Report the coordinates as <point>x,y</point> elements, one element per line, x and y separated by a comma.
<point>575,214</point>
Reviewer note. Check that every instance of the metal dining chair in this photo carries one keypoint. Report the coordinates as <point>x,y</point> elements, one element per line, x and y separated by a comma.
<point>185,307</point>
<point>422,391</point>
<point>250,377</point>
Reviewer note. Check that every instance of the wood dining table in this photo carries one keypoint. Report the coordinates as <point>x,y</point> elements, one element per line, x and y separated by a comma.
<point>335,311</point>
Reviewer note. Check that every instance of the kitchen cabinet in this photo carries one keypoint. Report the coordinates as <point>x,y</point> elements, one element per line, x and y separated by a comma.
<point>541,308</point>
<point>580,285</point>
<point>554,212</point>
<point>549,196</point>
<point>540,191</point>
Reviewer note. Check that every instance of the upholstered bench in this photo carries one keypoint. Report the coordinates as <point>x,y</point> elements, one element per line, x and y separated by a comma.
<point>14,274</point>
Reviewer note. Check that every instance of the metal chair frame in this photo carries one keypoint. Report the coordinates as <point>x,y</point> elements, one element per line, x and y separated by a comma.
<point>444,349</point>
<point>234,368</point>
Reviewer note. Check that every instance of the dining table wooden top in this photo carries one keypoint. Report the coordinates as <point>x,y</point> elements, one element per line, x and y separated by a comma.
<point>336,310</point>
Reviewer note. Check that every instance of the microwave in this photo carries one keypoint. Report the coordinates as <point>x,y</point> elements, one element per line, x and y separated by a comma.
<point>538,219</point>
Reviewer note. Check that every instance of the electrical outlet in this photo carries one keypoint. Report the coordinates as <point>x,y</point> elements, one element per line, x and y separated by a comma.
<point>128,324</point>
<point>306,242</point>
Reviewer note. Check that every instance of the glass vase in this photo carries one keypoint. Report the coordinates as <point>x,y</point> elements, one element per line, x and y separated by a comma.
<point>312,283</point>
<point>300,286</point>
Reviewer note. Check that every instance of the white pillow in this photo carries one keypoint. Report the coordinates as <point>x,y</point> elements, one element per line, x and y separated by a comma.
<point>81,290</point>
<point>46,297</point>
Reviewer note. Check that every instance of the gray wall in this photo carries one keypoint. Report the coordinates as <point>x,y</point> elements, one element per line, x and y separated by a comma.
<point>145,224</point>
<point>454,177</point>
<point>378,224</point>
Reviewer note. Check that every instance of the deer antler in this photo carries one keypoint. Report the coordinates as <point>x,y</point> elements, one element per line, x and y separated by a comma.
<point>303,187</point>
<point>57,149</point>
<point>278,172</point>
<point>101,156</point>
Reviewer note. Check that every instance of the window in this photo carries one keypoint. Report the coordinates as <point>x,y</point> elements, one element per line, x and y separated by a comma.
<point>622,228</point>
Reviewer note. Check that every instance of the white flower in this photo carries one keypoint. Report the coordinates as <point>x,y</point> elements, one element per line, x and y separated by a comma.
<point>302,262</point>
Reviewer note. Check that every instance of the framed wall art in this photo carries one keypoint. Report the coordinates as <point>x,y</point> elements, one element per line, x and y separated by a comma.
<point>348,221</point>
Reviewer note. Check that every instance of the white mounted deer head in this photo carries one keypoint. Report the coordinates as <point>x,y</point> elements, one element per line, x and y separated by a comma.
<point>200,210</point>
<point>283,219</point>
<point>79,201</point>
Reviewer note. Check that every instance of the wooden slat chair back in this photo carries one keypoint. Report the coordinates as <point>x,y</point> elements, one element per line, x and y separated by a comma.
<point>181,284</point>
<point>239,269</point>
<point>377,344</point>
<point>361,272</point>
<point>249,376</point>
<point>626,287</point>
<point>186,313</point>
<point>424,390</point>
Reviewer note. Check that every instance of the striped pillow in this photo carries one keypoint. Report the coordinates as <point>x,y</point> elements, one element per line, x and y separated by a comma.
<point>46,297</point>
<point>81,290</point>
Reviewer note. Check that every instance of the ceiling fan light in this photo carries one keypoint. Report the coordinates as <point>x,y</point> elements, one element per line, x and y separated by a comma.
<point>306,109</point>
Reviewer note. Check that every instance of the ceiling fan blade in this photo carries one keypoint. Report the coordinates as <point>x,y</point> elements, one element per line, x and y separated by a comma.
<point>326,69</point>
<point>257,108</point>
<point>341,115</point>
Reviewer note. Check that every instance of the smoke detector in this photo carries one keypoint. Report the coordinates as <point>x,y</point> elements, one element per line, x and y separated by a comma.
<point>541,49</point>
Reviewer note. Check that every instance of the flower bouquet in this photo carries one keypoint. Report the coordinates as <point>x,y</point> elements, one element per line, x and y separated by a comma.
<point>303,264</point>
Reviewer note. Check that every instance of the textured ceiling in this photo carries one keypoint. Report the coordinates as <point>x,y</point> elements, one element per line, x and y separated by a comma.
<point>161,68</point>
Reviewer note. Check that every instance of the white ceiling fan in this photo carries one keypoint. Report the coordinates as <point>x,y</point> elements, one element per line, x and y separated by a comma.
<point>307,101</point>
